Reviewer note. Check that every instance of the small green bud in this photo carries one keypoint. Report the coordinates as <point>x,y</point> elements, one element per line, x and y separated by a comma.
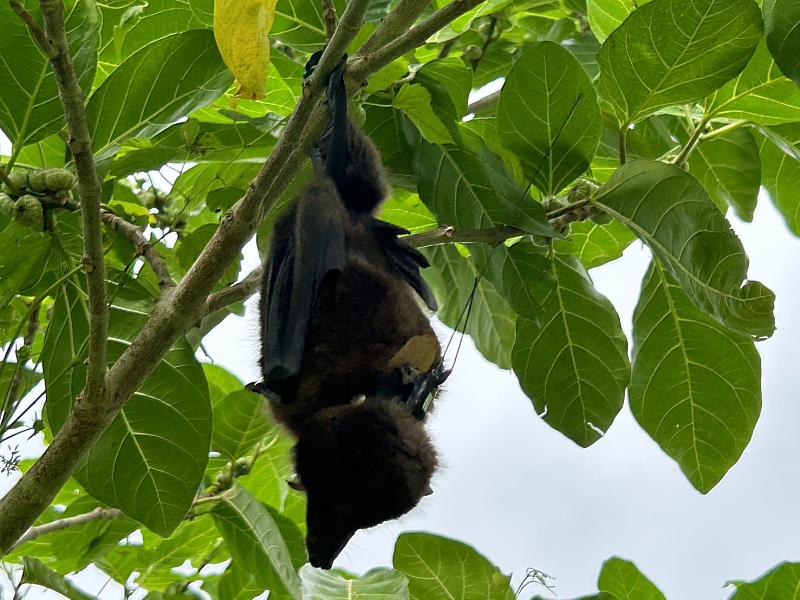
<point>6,204</point>
<point>28,211</point>
<point>23,353</point>
<point>485,28</point>
<point>59,179</point>
<point>37,180</point>
<point>18,181</point>
<point>473,52</point>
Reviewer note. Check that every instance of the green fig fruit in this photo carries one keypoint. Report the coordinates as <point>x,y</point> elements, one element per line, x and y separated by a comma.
<point>59,179</point>
<point>28,211</point>
<point>473,52</point>
<point>18,181</point>
<point>6,204</point>
<point>37,181</point>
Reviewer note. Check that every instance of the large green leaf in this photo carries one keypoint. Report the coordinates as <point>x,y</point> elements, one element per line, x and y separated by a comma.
<point>241,421</point>
<point>378,584</point>
<point>778,583</point>
<point>594,244</point>
<point>761,93</point>
<point>299,24</point>
<point>670,211</point>
<point>782,18</point>
<point>449,81</point>
<point>442,569</point>
<point>36,573</point>
<point>780,170</point>
<point>468,186</point>
<point>621,579</point>
<point>255,541</point>
<point>415,102</point>
<point>730,171</point>
<point>22,261</point>
<point>492,322</point>
<point>30,108</point>
<point>142,97</point>
<point>574,363</point>
<point>548,115</point>
<point>155,559</point>
<point>150,461</point>
<point>676,51</point>
<point>606,15</point>
<point>696,386</point>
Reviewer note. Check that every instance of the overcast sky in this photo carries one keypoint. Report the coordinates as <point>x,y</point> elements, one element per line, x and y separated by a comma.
<point>525,496</point>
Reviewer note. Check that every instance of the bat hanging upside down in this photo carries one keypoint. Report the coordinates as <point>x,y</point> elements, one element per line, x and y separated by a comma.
<point>349,359</point>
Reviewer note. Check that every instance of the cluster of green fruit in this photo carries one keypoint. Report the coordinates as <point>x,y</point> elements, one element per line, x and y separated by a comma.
<point>22,195</point>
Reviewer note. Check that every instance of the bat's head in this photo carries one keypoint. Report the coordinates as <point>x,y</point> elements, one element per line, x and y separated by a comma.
<point>360,465</point>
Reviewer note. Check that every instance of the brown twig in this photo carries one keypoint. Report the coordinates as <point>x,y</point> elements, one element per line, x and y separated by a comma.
<point>94,515</point>
<point>394,25</point>
<point>329,16</point>
<point>236,292</point>
<point>416,36</point>
<point>72,98</point>
<point>142,245</point>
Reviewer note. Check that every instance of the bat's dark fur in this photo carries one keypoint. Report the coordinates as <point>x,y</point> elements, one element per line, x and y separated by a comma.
<point>340,329</point>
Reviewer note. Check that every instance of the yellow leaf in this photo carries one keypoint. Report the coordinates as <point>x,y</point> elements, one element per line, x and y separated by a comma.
<point>241,28</point>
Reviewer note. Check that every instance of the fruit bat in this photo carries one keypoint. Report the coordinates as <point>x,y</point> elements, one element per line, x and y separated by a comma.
<point>348,357</point>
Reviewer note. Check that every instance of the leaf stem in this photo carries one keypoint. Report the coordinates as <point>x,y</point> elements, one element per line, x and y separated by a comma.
<point>722,130</point>
<point>623,151</point>
<point>693,140</point>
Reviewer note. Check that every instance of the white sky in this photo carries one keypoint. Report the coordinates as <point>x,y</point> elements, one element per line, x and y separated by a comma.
<point>525,496</point>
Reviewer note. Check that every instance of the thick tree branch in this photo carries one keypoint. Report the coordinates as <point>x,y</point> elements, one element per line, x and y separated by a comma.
<point>185,305</point>
<point>142,245</point>
<point>80,144</point>
<point>394,25</point>
<point>363,66</point>
<point>94,515</point>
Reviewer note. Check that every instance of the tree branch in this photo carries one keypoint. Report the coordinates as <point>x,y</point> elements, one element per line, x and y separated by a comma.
<point>394,25</point>
<point>329,16</point>
<point>187,303</point>
<point>236,292</point>
<point>364,65</point>
<point>72,98</point>
<point>94,515</point>
<point>484,104</point>
<point>142,245</point>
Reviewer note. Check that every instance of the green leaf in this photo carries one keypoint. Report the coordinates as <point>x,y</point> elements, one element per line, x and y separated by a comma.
<point>440,568</point>
<point>548,115</point>
<point>299,25</point>
<point>783,35</point>
<point>221,382</point>
<point>78,546</point>
<point>696,386</point>
<point>150,461</point>
<point>574,364</point>
<point>407,210</point>
<point>468,186</point>
<point>594,244</point>
<point>386,128</point>
<point>378,584</point>
<point>780,171</point>
<point>30,109</point>
<point>695,244</point>
<point>155,559</point>
<point>782,581</point>
<point>23,259</point>
<point>760,94</point>
<point>415,102</point>
<point>36,573</point>
<point>674,52</point>
<point>624,581</point>
<point>142,97</point>
<point>449,82</point>
<point>492,322</point>
<point>729,169</point>
<point>241,421</point>
<point>255,541</point>
<point>606,15</point>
